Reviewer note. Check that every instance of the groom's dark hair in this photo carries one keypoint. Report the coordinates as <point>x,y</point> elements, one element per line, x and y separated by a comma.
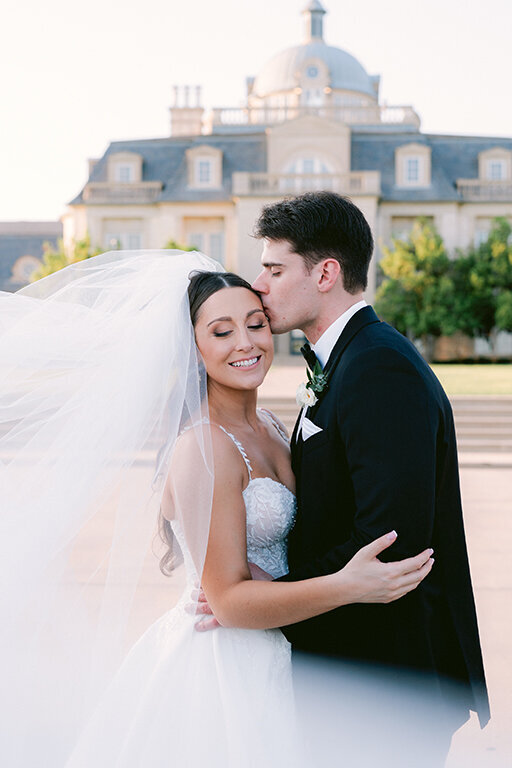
<point>322,225</point>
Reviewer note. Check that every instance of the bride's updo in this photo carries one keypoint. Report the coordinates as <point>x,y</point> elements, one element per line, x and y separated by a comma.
<point>205,284</point>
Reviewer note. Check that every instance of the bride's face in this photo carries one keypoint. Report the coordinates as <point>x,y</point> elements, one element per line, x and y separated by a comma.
<point>234,338</point>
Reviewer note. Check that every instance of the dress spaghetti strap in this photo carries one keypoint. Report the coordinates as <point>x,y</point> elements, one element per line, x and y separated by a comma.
<point>240,448</point>
<point>270,416</point>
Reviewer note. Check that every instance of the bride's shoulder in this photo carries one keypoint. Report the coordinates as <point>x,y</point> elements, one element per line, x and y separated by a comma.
<point>276,422</point>
<point>206,444</point>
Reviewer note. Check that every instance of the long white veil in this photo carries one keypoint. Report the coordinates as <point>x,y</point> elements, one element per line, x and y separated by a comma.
<point>99,373</point>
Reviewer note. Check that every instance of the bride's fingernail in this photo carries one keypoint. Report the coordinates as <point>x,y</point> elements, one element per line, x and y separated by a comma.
<point>431,551</point>
<point>392,535</point>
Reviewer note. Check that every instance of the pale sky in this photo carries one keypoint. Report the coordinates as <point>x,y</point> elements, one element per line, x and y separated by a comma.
<point>79,75</point>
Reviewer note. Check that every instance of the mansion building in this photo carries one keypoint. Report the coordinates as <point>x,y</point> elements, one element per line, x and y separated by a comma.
<point>312,121</point>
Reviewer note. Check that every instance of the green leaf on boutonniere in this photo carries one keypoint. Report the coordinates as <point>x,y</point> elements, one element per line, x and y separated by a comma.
<point>317,381</point>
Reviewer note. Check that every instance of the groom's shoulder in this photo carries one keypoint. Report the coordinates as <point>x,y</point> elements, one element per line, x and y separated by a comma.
<point>381,347</point>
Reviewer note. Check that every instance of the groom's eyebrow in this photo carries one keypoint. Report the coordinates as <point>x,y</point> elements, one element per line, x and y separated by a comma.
<point>271,264</point>
<point>229,319</point>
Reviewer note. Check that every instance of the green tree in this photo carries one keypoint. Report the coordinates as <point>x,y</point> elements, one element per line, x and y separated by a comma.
<point>417,294</point>
<point>172,245</point>
<point>56,259</point>
<point>483,281</point>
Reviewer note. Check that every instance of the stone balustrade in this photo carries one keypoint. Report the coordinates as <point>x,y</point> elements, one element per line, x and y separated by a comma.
<point>480,190</point>
<point>136,192</point>
<point>264,184</point>
<point>348,114</point>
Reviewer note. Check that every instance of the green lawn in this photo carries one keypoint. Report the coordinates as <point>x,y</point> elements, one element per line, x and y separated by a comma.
<point>475,379</point>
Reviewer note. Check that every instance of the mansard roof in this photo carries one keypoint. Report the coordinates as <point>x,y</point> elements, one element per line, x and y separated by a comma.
<point>165,160</point>
<point>372,149</point>
<point>453,157</point>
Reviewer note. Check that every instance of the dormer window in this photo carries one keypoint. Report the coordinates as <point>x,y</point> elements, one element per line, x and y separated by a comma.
<point>413,166</point>
<point>124,167</point>
<point>496,170</point>
<point>203,171</point>
<point>124,172</point>
<point>412,169</point>
<point>204,167</point>
<point>495,164</point>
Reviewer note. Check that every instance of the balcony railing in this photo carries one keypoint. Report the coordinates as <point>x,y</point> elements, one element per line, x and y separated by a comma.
<point>483,191</point>
<point>350,115</point>
<point>137,192</point>
<point>256,184</point>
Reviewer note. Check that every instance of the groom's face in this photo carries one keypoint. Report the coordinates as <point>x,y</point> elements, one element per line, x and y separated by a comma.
<point>288,291</point>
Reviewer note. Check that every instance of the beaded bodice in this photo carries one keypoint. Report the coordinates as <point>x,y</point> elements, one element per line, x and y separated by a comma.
<point>270,510</point>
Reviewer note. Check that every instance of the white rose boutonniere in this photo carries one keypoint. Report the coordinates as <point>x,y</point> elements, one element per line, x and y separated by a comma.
<point>308,393</point>
<point>305,396</point>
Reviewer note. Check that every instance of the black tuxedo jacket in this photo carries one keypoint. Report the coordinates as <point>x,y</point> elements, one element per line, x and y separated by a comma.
<point>386,459</point>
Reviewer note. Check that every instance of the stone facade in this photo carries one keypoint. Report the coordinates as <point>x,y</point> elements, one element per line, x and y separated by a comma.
<point>312,121</point>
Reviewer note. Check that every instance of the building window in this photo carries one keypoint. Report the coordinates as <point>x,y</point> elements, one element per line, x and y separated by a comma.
<point>312,72</point>
<point>297,340</point>
<point>217,246</point>
<point>134,242</point>
<point>124,173</point>
<point>127,241</point>
<point>496,170</point>
<point>196,240</point>
<point>204,174</point>
<point>401,226</point>
<point>412,170</point>
<point>210,243</point>
<point>308,165</point>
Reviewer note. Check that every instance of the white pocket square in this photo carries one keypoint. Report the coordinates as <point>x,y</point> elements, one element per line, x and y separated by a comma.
<point>309,429</point>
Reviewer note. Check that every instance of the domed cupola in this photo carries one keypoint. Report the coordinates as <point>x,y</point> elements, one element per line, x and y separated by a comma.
<point>313,74</point>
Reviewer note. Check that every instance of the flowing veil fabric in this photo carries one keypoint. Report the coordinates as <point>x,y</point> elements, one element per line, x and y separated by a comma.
<point>99,374</point>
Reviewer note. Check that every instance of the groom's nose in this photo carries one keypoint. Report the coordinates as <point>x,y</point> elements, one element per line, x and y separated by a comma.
<point>261,283</point>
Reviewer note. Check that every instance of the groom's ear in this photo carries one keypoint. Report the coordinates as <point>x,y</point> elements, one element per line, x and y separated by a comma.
<point>329,272</point>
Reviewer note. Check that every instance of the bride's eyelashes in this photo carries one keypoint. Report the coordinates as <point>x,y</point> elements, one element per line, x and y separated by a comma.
<point>223,334</point>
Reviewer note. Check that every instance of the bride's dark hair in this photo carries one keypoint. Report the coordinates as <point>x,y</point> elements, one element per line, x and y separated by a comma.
<point>202,286</point>
<point>205,284</point>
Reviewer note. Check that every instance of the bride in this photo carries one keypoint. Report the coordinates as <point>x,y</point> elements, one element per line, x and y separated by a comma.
<point>109,372</point>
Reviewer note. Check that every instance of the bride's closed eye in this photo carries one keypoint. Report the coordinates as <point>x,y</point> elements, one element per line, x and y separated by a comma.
<point>223,334</point>
<point>257,327</point>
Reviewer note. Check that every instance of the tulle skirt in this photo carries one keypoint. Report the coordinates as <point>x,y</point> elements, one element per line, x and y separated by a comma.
<point>183,698</point>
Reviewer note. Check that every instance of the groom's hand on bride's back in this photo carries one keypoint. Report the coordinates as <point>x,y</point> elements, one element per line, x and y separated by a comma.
<point>200,607</point>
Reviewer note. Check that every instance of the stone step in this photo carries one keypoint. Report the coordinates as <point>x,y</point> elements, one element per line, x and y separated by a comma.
<point>478,430</point>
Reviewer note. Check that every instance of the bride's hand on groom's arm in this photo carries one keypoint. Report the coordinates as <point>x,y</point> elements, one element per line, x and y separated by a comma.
<point>372,581</point>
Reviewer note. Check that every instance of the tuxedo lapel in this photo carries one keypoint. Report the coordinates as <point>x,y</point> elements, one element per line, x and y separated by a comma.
<point>365,316</point>
<point>296,444</point>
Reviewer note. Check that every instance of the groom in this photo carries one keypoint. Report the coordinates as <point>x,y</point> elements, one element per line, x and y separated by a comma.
<point>375,452</point>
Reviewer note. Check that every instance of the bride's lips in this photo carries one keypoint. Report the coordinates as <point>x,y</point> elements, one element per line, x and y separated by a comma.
<point>246,363</point>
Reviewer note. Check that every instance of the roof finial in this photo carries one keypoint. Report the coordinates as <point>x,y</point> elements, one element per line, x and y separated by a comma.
<point>313,17</point>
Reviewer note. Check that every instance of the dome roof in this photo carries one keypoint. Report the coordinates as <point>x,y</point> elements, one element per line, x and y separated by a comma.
<point>281,72</point>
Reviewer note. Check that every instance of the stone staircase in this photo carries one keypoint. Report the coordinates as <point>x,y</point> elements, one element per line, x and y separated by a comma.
<point>483,423</point>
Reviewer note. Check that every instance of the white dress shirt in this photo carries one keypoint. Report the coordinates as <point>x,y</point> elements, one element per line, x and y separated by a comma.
<point>326,343</point>
<point>323,348</point>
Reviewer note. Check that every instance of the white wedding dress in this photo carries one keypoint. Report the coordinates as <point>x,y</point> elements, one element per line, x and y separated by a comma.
<point>224,697</point>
